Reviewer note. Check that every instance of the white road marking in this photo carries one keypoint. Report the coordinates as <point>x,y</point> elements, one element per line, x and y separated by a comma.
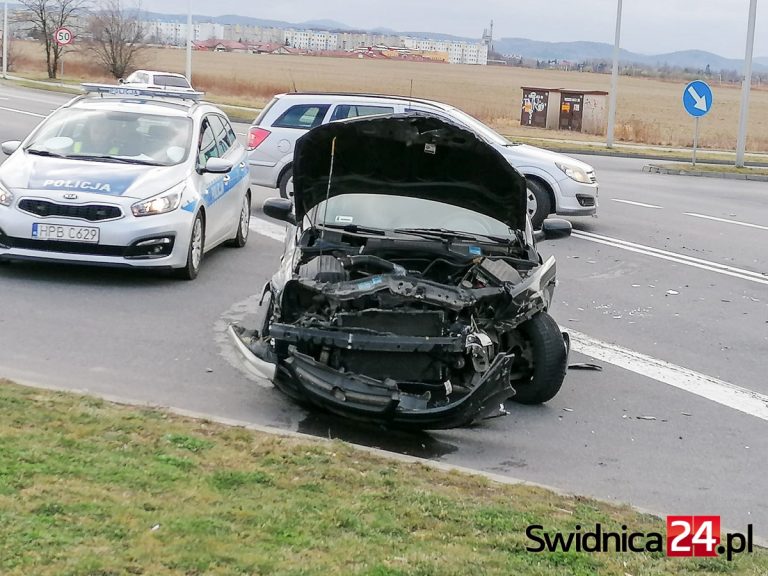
<point>637,203</point>
<point>708,265</point>
<point>22,112</point>
<point>725,393</point>
<point>268,229</point>
<point>726,220</point>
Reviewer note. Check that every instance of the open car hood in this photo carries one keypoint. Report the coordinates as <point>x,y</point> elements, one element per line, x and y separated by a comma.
<point>414,155</point>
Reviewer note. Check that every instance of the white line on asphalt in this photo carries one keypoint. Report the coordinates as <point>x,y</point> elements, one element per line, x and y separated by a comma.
<point>637,203</point>
<point>726,220</point>
<point>268,229</point>
<point>22,112</point>
<point>725,393</point>
<point>708,265</point>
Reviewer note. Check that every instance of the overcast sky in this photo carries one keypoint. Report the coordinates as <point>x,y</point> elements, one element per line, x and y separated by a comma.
<point>648,26</point>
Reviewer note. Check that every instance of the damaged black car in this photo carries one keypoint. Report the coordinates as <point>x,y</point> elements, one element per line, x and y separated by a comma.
<point>410,290</point>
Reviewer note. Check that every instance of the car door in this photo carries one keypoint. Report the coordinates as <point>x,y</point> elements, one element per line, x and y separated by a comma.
<point>211,186</point>
<point>236,182</point>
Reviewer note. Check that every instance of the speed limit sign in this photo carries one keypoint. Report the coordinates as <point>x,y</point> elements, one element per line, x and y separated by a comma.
<point>63,36</point>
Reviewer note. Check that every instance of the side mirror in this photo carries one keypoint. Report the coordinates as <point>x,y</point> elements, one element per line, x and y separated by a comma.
<point>279,209</point>
<point>552,229</point>
<point>121,80</point>
<point>218,166</point>
<point>10,146</point>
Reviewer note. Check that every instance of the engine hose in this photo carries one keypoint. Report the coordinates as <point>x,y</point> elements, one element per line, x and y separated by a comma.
<point>349,262</point>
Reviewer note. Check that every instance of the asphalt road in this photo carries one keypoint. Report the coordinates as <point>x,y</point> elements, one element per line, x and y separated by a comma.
<point>673,306</point>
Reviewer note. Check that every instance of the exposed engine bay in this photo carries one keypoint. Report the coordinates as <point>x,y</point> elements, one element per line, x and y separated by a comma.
<point>380,323</point>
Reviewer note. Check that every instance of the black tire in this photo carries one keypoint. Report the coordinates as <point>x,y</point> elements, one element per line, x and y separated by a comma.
<point>194,259</point>
<point>543,205</point>
<point>243,223</point>
<point>285,180</point>
<point>549,357</point>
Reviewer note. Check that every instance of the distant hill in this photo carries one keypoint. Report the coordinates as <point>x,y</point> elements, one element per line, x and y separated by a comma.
<point>535,49</point>
<point>579,51</point>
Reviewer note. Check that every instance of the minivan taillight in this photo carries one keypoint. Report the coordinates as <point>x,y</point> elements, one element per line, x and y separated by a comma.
<point>256,136</point>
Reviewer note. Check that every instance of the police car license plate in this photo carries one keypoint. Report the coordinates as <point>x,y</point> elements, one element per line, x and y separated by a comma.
<point>61,233</point>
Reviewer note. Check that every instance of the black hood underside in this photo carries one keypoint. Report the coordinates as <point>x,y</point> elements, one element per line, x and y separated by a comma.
<point>413,155</point>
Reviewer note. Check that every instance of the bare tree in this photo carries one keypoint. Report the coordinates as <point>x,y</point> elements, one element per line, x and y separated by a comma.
<point>117,36</point>
<point>47,16</point>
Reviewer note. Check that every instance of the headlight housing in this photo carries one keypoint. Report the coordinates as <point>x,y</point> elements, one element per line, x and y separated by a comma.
<point>574,172</point>
<point>164,202</point>
<point>5,196</point>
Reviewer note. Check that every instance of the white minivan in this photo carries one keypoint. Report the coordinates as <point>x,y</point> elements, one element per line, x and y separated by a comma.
<point>556,183</point>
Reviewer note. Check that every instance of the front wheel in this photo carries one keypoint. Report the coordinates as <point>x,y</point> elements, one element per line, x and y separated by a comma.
<point>548,357</point>
<point>286,184</point>
<point>243,223</point>
<point>194,251</point>
<point>538,203</point>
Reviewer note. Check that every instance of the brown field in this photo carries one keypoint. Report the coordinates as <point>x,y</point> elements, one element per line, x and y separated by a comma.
<point>649,111</point>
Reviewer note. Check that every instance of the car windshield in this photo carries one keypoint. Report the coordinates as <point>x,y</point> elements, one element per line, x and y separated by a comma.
<point>400,212</point>
<point>109,135</point>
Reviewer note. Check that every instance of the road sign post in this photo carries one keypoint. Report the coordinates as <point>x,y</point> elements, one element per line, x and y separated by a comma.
<point>697,101</point>
<point>63,37</point>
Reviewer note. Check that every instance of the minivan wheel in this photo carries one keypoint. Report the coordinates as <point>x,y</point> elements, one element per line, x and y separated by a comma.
<point>548,357</point>
<point>286,184</point>
<point>538,203</point>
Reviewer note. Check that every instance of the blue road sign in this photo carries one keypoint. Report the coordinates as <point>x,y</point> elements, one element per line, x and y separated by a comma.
<point>697,98</point>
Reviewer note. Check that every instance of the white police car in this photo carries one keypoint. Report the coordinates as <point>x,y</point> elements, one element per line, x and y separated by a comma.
<point>127,177</point>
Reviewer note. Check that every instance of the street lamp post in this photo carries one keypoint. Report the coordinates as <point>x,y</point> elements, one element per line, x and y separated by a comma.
<point>5,39</point>
<point>189,41</point>
<point>614,79</point>
<point>741,142</point>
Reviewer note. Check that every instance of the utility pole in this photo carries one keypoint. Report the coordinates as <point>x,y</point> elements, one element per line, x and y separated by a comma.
<point>614,79</point>
<point>746,85</point>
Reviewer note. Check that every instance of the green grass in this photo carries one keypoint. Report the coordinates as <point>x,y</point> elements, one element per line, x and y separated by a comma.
<point>92,488</point>
<point>629,150</point>
<point>715,168</point>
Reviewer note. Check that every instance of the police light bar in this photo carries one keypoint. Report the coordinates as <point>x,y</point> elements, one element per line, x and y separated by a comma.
<point>125,90</point>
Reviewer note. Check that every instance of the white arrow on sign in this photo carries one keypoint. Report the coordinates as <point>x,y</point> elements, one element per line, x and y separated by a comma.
<point>701,101</point>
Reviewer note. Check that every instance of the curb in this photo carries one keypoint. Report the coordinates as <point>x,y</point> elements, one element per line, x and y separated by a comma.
<point>653,169</point>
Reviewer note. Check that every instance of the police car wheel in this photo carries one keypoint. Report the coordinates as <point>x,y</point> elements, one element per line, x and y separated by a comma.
<point>243,223</point>
<point>194,251</point>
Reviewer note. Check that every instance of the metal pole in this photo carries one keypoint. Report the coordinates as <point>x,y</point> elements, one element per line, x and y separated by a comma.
<point>189,41</point>
<point>5,40</point>
<point>741,142</point>
<point>695,139</point>
<point>614,79</point>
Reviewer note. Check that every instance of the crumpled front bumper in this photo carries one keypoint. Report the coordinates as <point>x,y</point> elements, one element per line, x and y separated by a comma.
<point>363,398</point>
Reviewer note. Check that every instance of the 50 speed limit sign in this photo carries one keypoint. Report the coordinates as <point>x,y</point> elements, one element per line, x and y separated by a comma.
<point>63,36</point>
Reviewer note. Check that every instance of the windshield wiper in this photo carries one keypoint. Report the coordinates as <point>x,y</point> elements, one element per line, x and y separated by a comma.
<point>109,158</point>
<point>39,152</point>
<point>445,234</point>
<point>354,228</point>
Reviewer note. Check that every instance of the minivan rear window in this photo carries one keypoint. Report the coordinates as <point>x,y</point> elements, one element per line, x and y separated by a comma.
<point>304,116</point>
